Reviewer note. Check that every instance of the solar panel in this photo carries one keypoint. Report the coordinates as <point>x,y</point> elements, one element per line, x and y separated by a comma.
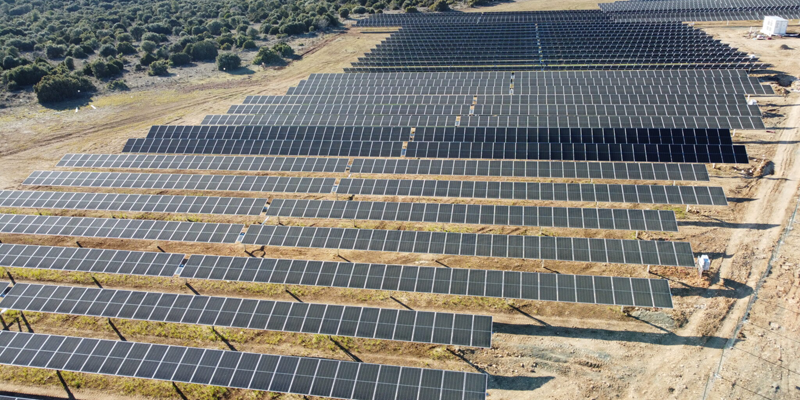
<point>407,278</point>
<point>582,218</point>
<point>204,163</point>
<point>264,372</point>
<point>585,192</point>
<point>83,259</point>
<point>363,322</point>
<point>534,169</point>
<point>120,228</point>
<point>480,245</point>
<point>132,202</point>
<point>247,183</point>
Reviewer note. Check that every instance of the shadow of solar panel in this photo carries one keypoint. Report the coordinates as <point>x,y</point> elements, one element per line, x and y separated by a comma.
<point>222,311</point>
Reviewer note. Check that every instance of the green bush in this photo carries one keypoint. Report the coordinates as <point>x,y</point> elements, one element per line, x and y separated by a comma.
<point>215,27</point>
<point>283,49</point>
<point>148,59</point>
<point>344,12</point>
<point>153,37</point>
<point>69,62</point>
<point>101,69</point>
<point>179,59</point>
<point>359,10</point>
<point>27,75</point>
<point>228,62</point>
<point>159,68</point>
<point>204,50</point>
<point>440,5</point>
<point>249,45</point>
<point>266,56</point>
<point>118,85</point>
<point>54,51</point>
<point>126,48</point>
<point>55,88</point>
<point>411,10</point>
<point>148,46</point>
<point>295,28</point>
<point>108,50</point>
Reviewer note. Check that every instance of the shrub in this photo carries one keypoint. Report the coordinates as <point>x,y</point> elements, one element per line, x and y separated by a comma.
<point>159,68</point>
<point>100,69</point>
<point>26,75</point>
<point>148,59</point>
<point>108,50</point>
<point>204,50</point>
<point>215,27</point>
<point>359,10</point>
<point>126,48</point>
<point>249,45</point>
<point>9,62</point>
<point>411,10</point>
<point>55,51</point>
<point>294,28</point>
<point>179,59</point>
<point>344,12</point>
<point>440,5</point>
<point>148,46</point>
<point>78,52</point>
<point>266,56</point>
<point>153,37</point>
<point>69,62</point>
<point>283,49</point>
<point>137,32</point>
<point>228,62</point>
<point>118,85</point>
<point>252,32</point>
<point>274,30</point>
<point>55,88</point>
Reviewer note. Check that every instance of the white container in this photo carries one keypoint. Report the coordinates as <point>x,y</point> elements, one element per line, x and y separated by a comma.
<point>774,26</point>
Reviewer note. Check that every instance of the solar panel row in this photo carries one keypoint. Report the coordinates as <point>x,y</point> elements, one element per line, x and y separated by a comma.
<point>119,228</point>
<point>285,374</point>
<point>502,99</point>
<point>473,150</point>
<point>511,121</point>
<point>261,164</point>
<point>133,202</point>
<point>363,322</point>
<point>439,280</point>
<point>534,169</point>
<point>241,183</point>
<point>471,282</point>
<point>480,245</point>
<point>90,260</point>
<point>560,217</point>
<point>584,192</point>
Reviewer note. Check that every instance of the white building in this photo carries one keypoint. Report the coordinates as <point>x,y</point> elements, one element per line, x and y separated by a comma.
<point>774,26</point>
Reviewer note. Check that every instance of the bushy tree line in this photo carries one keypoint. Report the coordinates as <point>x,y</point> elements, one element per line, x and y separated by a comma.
<point>38,37</point>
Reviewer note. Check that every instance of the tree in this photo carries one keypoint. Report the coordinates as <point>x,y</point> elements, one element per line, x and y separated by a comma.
<point>360,10</point>
<point>179,59</point>
<point>159,68</point>
<point>148,46</point>
<point>440,5</point>
<point>215,27</point>
<point>108,50</point>
<point>266,56</point>
<point>54,51</point>
<point>294,28</point>
<point>344,12</point>
<point>126,48</point>
<point>204,50</point>
<point>283,49</point>
<point>137,32</point>
<point>55,88</point>
<point>228,62</point>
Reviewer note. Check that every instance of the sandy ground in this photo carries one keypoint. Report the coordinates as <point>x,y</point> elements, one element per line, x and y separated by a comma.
<point>541,350</point>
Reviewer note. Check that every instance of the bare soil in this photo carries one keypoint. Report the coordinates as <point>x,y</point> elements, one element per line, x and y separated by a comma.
<point>541,350</point>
